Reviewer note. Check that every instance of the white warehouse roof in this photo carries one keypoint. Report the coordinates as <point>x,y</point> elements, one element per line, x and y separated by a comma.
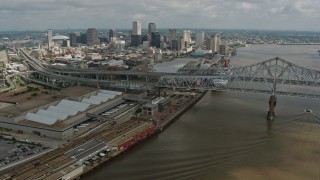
<point>100,98</point>
<point>110,96</point>
<point>59,116</point>
<point>91,101</point>
<point>66,108</point>
<point>110,92</point>
<point>61,111</point>
<point>41,119</point>
<point>78,106</point>
<point>70,112</point>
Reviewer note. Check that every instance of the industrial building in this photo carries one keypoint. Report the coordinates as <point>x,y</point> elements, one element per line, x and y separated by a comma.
<point>57,116</point>
<point>157,105</point>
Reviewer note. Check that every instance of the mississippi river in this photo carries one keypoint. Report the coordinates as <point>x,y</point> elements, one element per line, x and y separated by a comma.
<point>226,135</point>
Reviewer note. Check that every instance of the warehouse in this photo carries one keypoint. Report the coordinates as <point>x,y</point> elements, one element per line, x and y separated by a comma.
<point>55,117</point>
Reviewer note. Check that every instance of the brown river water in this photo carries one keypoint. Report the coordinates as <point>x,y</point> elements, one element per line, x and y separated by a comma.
<point>226,135</point>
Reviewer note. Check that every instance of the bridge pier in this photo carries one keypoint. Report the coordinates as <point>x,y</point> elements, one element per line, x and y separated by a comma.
<point>272,105</point>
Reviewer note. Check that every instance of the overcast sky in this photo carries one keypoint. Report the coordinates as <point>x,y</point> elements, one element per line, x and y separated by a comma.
<point>215,14</point>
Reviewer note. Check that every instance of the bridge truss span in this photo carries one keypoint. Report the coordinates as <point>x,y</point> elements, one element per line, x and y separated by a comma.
<point>274,76</point>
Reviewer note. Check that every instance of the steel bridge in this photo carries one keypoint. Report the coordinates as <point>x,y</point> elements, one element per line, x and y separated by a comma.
<point>274,76</point>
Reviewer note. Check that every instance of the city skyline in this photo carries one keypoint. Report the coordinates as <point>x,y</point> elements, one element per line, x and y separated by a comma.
<point>231,14</point>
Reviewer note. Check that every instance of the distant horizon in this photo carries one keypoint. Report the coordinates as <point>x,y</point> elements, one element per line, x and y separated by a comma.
<point>216,29</point>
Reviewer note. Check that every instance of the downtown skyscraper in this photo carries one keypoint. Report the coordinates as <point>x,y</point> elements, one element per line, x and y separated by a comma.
<point>152,28</point>
<point>136,28</point>
<point>92,36</point>
<point>136,39</point>
<point>50,42</point>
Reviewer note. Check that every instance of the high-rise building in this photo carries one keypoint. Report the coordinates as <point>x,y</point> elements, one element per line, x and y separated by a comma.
<point>83,38</point>
<point>50,42</point>
<point>74,38</point>
<point>218,36</point>
<point>136,40</point>
<point>174,45</point>
<point>181,43</point>
<point>146,37</point>
<point>155,39</point>
<point>172,34</point>
<point>165,39</point>
<point>200,38</point>
<point>92,36</point>
<point>103,40</point>
<point>136,29</point>
<point>152,28</point>
<point>187,36</point>
<point>112,35</point>
<point>214,42</point>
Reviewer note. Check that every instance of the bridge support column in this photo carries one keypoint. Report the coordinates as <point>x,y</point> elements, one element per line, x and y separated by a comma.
<point>158,91</point>
<point>128,78</point>
<point>272,105</point>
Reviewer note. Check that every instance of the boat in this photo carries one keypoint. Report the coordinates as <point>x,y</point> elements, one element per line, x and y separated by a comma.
<point>308,110</point>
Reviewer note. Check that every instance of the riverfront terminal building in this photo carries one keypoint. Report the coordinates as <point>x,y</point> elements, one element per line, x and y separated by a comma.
<point>58,116</point>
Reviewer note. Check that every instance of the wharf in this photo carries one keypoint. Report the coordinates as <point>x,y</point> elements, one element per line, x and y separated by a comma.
<point>180,111</point>
<point>119,138</point>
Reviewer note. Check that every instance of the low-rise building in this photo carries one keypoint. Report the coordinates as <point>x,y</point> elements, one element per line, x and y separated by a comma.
<point>58,117</point>
<point>150,109</point>
<point>164,104</point>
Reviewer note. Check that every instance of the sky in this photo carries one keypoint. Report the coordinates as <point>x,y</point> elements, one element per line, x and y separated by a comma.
<point>211,14</point>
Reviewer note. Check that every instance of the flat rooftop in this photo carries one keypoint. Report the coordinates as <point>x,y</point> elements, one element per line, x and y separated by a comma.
<point>58,126</point>
<point>19,109</point>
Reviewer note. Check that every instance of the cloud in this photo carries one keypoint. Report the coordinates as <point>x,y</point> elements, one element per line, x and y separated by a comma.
<point>274,14</point>
<point>247,5</point>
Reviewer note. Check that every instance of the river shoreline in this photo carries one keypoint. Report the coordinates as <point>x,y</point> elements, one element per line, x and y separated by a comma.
<point>170,120</point>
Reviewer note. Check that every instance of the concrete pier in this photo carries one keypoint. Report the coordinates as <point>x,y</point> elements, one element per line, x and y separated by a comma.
<point>272,105</point>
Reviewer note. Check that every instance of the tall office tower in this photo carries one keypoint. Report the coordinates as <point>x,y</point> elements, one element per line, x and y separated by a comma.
<point>218,37</point>
<point>152,28</point>
<point>145,37</point>
<point>172,34</point>
<point>165,39</point>
<point>187,36</point>
<point>74,37</point>
<point>136,29</point>
<point>50,42</point>
<point>92,36</point>
<point>174,45</point>
<point>136,40</point>
<point>83,38</point>
<point>155,39</point>
<point>208,43</point>
<point>214,42</point>
<point>181,43</point>
<point>200,38</point>
<point>112,35</point>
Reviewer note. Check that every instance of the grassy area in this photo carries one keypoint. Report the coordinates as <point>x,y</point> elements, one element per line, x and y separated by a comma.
<point>29,89</point>
<point>19,82</point>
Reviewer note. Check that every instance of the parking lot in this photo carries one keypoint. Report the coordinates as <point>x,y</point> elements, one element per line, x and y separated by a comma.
<point>11,151</point>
